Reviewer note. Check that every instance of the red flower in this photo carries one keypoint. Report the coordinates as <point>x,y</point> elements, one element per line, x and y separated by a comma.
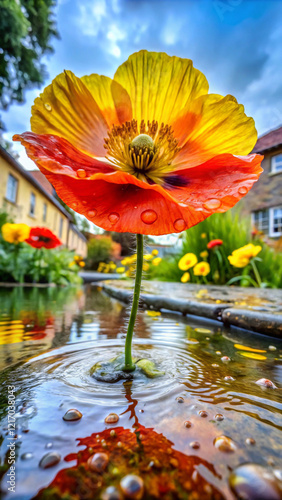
<point>214,243</point>
<point>149,152</point>
<point>41,237</point>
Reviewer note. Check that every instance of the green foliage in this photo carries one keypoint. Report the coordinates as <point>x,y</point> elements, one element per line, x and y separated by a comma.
<point>100,249</point>
<point>26,27</point>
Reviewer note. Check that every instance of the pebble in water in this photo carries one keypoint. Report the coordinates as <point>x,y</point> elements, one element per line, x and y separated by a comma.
<point>112,418</point>
<point>72,415</point>
<point>49,460</point>
<point>225,444</point>
<point>180,399</point>
<point>132,486</point>
<point>188,424</point>
<point>250,441</point>
<point>265,382</point>
<point>111,493</point>
<point>219,417</point>
<point>254,482</point>
<point>203,414</point>
<point>98,462</point>
<point>26,456</point>
<point>195,445</point>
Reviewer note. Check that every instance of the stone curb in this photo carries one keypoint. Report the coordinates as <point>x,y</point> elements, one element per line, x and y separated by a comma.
<point>265,323</point>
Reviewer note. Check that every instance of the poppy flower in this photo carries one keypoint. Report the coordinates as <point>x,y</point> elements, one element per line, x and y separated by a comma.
<point>187,261</point>
<point>41,237</point>
<point>202,269</point>
<point>149,151</point>
<point>15,233</point>
<point>214,243</point>
<point>242,256</point>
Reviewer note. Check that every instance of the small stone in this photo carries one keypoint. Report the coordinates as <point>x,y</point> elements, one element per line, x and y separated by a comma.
<point>195,445</point>
<point>49,460</point>
<point>225,444</point>
<point>264,382</point>
<point>188,424</point>
<point>98,462</point>
<point>112,418</point>
<point>203,414</point>
<point>219,417</point>
<point>111,493</point>
<point>250,441</point>
<point>132,486</point>
<point>72,415</point>
<point>254,482</point>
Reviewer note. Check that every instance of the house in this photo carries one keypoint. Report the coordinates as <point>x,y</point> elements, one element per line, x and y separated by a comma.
<point>264,201</point>
<point>29,198</point>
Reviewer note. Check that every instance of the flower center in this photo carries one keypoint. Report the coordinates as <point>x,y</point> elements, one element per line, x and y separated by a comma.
<point>145,151</point>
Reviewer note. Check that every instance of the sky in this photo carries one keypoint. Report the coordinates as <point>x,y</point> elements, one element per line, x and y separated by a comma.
<point>237,44</point>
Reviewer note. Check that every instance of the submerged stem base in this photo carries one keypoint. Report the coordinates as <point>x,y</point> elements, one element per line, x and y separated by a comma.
<point>114,370</point>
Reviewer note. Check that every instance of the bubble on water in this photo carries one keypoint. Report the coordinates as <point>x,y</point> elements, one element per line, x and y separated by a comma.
<point>242,190</point>
<point>111,493</point>
<point>272,348</point>
<point>81,173</point>
<point>72,415</point>
<point>264,382</point>
<point>91,213</point>
<point>254,482</point>
<point>212,204</point>
<point>219,417</point>
<point>215,365</point>
<point>98,462</point>
<point>218,353</point>
<point>48,445</point>
<point>114,217</point>
<point>225,444</point>
<point>225,359</point>
<point>112,418</point>
<point>203,414</point>
<point>132,486</point>
<point>149,216</point>
<point>250,441</point>
<point>188,424</point>
<point>228,378</point>
<point>179,225</point>
<point>180,399</point>
<point>47,106</point>
<point>195,445</point>
<point>27,456</point>
<point>49,460</point>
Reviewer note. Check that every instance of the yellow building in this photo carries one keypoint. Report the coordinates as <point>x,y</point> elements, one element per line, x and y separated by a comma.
<point>28,199</point>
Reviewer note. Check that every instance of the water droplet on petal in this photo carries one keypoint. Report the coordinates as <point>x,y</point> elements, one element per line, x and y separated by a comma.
<point>212,204</point>
<point>49,460</point>
<point>111,493</point>
<point>203,414</point>
<point>219,417</point>
<point>72,415</point>
<point>188,424</point>
<point>91,213</point>
<point>81,173</point>
<point>225,444</point>
<point>48,106</point>
<point>254,482</point>
<point>74,205</point>
<point>26,456</point>
<point>242,190</point>
<point>132,486</point>
<point>114,218</point>
<point>112,418</point>
<point>179,225</point>
<point>149,216</point>
<point>195,445</point>
<point>98,462</point>
<point>264,382</point>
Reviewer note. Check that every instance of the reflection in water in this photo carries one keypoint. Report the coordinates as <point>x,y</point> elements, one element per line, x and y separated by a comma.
<point>50,338</point>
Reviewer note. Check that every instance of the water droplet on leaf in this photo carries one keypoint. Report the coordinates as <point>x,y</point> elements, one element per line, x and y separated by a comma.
<point>149,216</point>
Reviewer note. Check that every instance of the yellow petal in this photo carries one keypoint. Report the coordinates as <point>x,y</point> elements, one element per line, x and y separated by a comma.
<point>15,233</point>
<point>153,314</point>
<point>213,125</point>
<point>252,355</point>
<point>160,86</point>
<point>187,261</point>
<point>67,109</point>
<point>185,277</point>
<point>250,349</point>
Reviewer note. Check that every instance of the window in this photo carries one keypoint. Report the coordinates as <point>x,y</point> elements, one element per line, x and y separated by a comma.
<point>44,212</point>
<point>276,163</point>
<point>12,188</point>
<point>261,220</point>
<point>32,204</point>
<point>275,221</point>
<point>61,227</point>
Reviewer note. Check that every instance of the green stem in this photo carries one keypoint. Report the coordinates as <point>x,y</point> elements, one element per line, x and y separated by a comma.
<point>256,273</point>
<point>129,365</point>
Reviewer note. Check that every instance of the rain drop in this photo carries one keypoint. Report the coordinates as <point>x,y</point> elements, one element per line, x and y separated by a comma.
<point>98,462</point>
<point>179,225</point>
<point>188,424</point>
<point>203,414</point>
<point>225,444</point>
<point>264,382</point>
<point>132,486</point>
<point>48,106</point>
<point>149,216</point>
<point>112,418</point>
<point>242,190</point>
<point>49,460</point>
<point>111,493</point>
<point>212,204</point>
<point>114,218</point>
<point>219,417</point>
<point>72,415</point>
<point>91,213</point>
<point>81,173</point>
<point>195,445</point>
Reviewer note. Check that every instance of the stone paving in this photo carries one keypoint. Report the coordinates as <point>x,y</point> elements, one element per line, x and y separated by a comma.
<point>258,310</point>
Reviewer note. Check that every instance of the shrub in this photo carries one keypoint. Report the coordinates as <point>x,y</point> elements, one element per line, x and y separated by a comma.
<point>101,249</point>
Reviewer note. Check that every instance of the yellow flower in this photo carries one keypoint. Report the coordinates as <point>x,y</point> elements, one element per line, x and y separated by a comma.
<point>185,277</point>
<point>120,270</point>
<point>204,254</point>
<point>202,269</point>
<point>146,266</point>
<point>148,256</point>
<point>81,263</point>
<point>125,261</point>
<point>188,260</point>
<point>155,252</point>
<point>242,256</point>
<point>156,261</point>
<point>15,233</point>
<point>203,235</point>
<point>153,314</point>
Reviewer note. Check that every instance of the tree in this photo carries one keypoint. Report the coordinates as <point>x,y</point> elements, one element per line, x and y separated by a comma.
<point>26,27</point>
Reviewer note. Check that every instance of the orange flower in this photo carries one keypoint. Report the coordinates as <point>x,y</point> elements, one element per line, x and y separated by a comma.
<point>202,269</point>
<point>214,243</point>
<point>148,152</point>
